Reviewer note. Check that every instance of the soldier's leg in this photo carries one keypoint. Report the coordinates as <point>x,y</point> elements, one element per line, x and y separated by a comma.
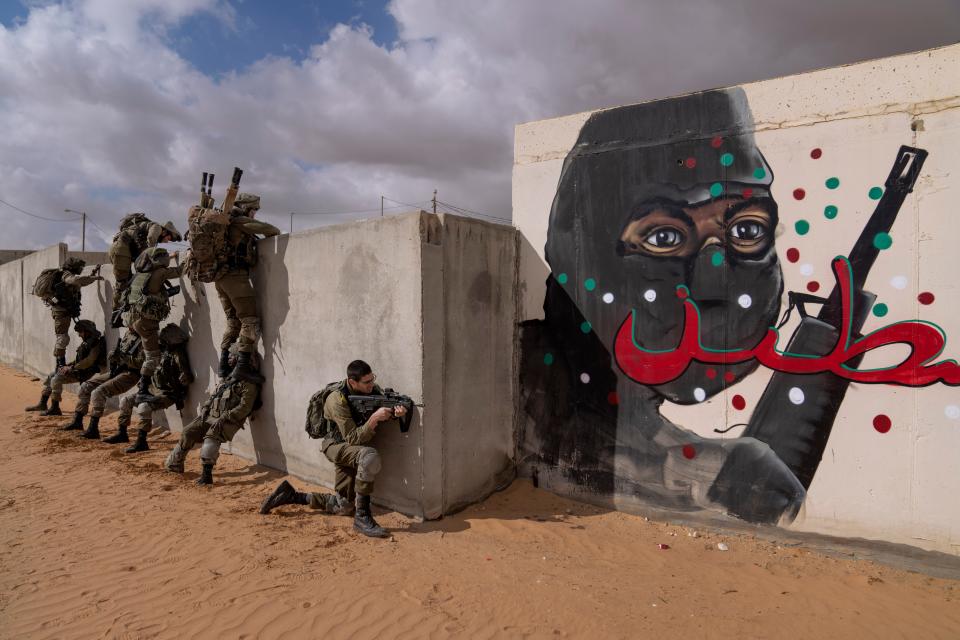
<point>210,450</point>
<point>191,435</point>
<point>149,332</point>
<point>121,260</point>
<point>232,329</point>
<point>123,421</point>
<point>98,399</point>
<point>83,400</point>
<point>56,392</point>
<point>145,414</point>
<point>366,462</point>
<point>44,395</point>
<point>286,494</point>
<point>244,301</point>
<point>61,329</point>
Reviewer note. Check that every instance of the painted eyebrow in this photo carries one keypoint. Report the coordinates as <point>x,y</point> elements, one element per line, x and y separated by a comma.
<point>762,203</point>
<point>670,211</point>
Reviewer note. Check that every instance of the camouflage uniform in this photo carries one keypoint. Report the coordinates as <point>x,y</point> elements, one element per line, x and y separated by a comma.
<point>234,288</point>
<point>67,303</point>
<point>221,416</point>
<point>122,375</point>
<point>91,358</point>
<point>144,318</point>
<point>127,245</point>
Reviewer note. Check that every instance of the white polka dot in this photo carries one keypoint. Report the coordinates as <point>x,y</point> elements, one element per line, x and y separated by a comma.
<point>899,282</point>
<point>649,295</point>
<point>608,297</point>
<point>745,301</point>
<point>796,395</point>
<point>699,394</point>
<point>806,269</point>
<point>584,378</point>
<point>952,411</point>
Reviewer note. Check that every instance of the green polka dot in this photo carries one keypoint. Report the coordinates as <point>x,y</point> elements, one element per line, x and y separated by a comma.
<point>716,189</point>
<point>590,284</point>
<point>562,278</point>
<point>830,212</point>
<point>759,173</point>
<point>802,227</point>
<point>882,241</point>
<point>717,259</point>
<point>726,159</point>
<point>585,327</point>
<point>876,193</point>
<point>880,309</point>
<point>833,183</point>
<point>548,359</point>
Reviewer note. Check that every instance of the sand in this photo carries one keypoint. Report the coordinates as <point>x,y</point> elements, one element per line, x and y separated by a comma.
<point>99,544</point>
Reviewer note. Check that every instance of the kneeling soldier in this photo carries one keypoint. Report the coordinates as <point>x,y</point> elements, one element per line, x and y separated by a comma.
<point>125,360</point>
<point>221,416</point>
<point>91,359</point>
<point>346,447</point>
<point>168,387</point>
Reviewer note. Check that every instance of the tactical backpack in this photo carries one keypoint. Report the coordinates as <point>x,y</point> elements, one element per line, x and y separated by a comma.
<point>47,285</point>
<point>209,250</point>
<point>318,426</point>
<point>153,306</point>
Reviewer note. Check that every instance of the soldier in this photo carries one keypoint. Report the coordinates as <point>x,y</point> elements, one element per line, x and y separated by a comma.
<point>149,304</point>
<point>220,417</point>
<point>168,387</point>
<point>137,233</point>
<point>346,447</point>
<point>60,290</point>
<point>91,359</point>
<point>234,288</point>
<point>124,370</point>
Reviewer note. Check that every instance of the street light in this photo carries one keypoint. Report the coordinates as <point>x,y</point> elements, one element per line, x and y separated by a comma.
<point>83,228</point>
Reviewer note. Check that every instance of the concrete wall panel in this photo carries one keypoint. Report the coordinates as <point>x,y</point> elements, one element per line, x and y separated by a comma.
<point>11,313</point>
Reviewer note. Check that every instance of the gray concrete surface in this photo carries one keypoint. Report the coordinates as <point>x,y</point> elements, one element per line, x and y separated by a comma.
<point>9,255</point>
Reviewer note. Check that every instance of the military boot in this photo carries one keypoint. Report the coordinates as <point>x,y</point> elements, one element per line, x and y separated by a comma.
<point>93,429</point>
<point>244,370</point>
<point>174,461</point>
<point>224,369</point>
<point>42,405</point>
<point>283,494</point>
<point>206,474</point>
<point>76,425</point>
<point>140,444</point>
<point>53,409</point>
<point>143,391</point>
<point>120,435</point>
<point>363,520</point>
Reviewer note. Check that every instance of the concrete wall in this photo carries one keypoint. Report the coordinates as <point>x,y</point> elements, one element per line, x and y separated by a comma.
<point>8,255</point>
<point>427,300</point>
<point>819,144</point>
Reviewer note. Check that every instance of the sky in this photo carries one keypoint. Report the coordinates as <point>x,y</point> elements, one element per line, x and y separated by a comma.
<point>113,106</point>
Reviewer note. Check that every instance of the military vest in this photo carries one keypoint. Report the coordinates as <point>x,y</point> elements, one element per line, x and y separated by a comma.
<point>84,350</point>
<point>152,306</point>
<point>134,235</point>
<point>128,353</point>
<point>167,376</point>
<point>243,249</point>
<point>227,396</point>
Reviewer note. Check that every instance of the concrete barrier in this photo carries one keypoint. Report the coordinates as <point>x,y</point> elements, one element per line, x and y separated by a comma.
<point>428,300</point>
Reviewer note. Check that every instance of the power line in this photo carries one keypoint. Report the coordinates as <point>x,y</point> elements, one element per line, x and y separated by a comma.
<point>470,211</point>
<point>337,213</point>
<point>36,215</point>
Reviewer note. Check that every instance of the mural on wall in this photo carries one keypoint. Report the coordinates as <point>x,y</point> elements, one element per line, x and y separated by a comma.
<point>666,286</point>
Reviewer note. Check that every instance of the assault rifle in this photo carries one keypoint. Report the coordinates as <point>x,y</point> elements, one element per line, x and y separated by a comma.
<point>232,190</point>
<point>366,406</point>
<point>206,188</point>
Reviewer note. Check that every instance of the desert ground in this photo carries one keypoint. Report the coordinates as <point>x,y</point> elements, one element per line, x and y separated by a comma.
<point>99,544</point>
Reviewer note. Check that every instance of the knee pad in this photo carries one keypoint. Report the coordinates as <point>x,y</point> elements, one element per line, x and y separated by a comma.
<point>126,404</point>
<point>143,410</point>
<point>210,451</point>
<point>60,344</point>
<point>151,359</point>
<point>368,464</point>
<point>249,329</point>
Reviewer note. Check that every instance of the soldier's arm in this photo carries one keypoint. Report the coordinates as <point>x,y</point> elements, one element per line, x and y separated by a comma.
<point>154,231</point>
<point>255,227</point>
<point>248,395</point>
<point>183,363</point>
<point>336,409</point>
<point>172,273</point>
<point>90,360</point>
<point>79,281</point>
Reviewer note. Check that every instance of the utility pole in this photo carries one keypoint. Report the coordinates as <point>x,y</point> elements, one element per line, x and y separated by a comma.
<point>291,223</point>
<point>381,206</point>
<point>83,227</point>
<point>434,200</point>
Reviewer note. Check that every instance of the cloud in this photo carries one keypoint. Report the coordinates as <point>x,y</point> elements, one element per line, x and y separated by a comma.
<point>101,113</point>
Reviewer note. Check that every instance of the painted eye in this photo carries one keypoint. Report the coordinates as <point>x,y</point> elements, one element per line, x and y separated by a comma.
<point>748,230</point>
<point>665,238</point>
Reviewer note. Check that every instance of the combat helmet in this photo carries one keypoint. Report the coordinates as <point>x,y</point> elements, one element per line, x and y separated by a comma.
<point>86,325</point>
<point>170,228</point>
<point>247,202</point>
<point>173,335</point>
<point>152,259</point>
<point>74,264</point>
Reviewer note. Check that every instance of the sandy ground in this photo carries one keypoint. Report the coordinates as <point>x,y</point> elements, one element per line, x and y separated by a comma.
<point>98,544</point>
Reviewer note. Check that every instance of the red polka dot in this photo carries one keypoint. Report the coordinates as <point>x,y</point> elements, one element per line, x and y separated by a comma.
<point>716,142</point>
<point>738,402</point>
<point>728,376</point>
<point>747,193</point>
<point>689,452</point>
<point>682,293</point>
<point>799,194</point>
<point>816,153</point>
<point>690,163</point>
<point>711,373</point>
<point>613,398</point>
<point>813,286</point>
<point>882,423</point>
<point>793,255</point>
<point>925,298</point>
